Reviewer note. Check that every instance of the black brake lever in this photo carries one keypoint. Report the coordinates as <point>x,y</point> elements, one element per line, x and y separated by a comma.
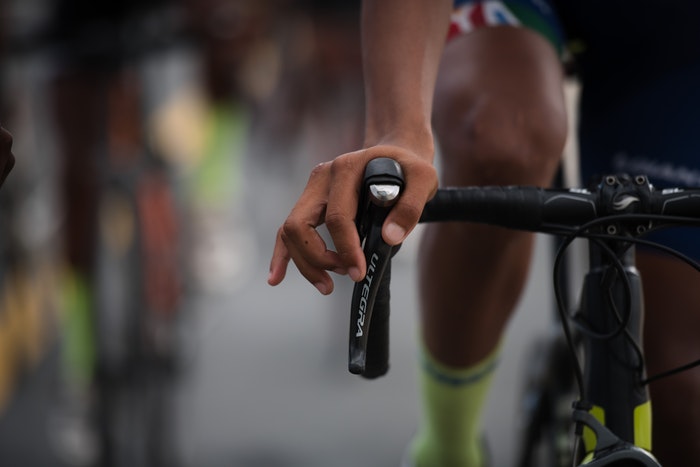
<point>369,314</point>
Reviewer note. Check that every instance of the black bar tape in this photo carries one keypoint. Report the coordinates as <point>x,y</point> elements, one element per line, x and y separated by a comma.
<point>522,208</point>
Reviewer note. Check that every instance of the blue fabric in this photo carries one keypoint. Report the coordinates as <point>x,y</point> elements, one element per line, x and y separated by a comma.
<point>651,126</point>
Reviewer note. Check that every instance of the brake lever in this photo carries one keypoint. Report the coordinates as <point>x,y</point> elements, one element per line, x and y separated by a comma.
<point>381,186</point>
<point>368,351</point>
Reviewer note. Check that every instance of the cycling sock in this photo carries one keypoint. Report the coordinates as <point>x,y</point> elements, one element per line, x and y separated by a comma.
<point>79,346</point>
<point>217,177</point>
<point>453,399</point>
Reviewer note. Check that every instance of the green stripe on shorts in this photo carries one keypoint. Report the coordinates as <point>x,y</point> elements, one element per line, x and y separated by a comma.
<point>531,19</point>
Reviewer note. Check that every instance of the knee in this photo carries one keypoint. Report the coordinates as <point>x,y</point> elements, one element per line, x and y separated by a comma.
<point>501,140</point>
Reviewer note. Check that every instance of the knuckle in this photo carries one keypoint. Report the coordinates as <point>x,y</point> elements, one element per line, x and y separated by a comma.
<point>343,164</point>
<point>424,170</point>
<point>319,170</point>
<point>282,233</point>
<point>335,221</point>
<point>424,178</point>
<point>289,230</point>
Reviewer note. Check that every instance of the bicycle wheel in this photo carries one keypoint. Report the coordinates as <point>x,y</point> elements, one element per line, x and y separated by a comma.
<point>547,436</point>
<point>136,323</point>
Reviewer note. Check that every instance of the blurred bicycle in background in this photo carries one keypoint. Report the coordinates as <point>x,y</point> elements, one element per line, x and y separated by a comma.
<point>114,288</point>
<point>134,123</point>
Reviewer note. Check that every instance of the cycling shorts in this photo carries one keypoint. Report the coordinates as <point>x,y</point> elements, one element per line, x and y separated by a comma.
<point>638,111</point>
<point>651,129</point>
<point>533,14</point>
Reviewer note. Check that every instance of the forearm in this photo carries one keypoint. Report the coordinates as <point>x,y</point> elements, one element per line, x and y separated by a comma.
<point>402,43</point>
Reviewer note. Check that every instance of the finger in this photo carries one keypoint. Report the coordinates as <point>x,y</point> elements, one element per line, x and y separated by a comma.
<point>7,159</point>
<point>303,241</point>
<point>299,241</point>
<point>278,263</point>
<point>346,176</point>
<point>312,272</point>
<point>299,232</point>
<point>421,185</point>
<point>312,267</point>
<point>315,275</point>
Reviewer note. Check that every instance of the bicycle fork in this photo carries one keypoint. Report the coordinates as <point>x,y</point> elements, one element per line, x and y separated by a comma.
<point>616,414</point>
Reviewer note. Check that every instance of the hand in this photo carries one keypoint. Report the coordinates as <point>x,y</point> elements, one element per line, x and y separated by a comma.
<point>331,197</point>
<point>7,159</point>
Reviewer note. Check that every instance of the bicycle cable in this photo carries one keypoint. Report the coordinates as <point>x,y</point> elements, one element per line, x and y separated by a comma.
<point>565,317</point>
<point>572,233</point>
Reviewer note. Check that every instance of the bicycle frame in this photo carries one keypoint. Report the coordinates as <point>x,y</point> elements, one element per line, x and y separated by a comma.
<point>614,369</point>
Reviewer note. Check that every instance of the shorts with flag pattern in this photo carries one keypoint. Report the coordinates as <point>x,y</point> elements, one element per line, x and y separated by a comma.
<point>537,15</point>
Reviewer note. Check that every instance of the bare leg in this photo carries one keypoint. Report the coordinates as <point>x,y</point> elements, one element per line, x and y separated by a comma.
<point>672,295</point>
<point>500,119</point>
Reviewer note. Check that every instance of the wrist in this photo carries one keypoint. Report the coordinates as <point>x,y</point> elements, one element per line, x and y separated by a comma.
<point>418,140</point>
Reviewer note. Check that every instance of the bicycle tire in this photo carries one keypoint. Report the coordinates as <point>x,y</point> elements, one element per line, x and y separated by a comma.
<point>546,437</point>
<point>134,377</point>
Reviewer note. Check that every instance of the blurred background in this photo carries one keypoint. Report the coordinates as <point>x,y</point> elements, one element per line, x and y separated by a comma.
<point>159,146</point>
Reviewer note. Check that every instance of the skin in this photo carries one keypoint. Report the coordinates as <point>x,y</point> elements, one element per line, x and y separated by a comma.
<point>494,99</point>
<point>492,131</point>
<point>475,115</point>
<point>671,340</point>
<point>399,107</point>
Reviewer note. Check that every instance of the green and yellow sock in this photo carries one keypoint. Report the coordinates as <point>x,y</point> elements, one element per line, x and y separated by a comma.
<point>79,353</point>
<point>453,401</point>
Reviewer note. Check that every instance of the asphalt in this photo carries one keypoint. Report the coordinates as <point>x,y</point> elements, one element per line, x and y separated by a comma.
<point>264,380</point>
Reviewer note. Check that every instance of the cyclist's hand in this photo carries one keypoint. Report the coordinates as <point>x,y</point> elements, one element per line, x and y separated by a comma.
<point>7,159</point>
<point>331,197</point>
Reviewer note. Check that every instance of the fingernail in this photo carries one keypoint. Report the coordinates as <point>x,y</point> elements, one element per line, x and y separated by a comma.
<point>323,288</point>
<point>394,233</point>
<point>355,273</point>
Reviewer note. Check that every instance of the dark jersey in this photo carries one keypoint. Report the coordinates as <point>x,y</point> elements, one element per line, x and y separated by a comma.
<point>99,33</point>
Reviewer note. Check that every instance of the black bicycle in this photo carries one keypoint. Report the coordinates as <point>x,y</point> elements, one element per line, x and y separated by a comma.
<point>611,412</point>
